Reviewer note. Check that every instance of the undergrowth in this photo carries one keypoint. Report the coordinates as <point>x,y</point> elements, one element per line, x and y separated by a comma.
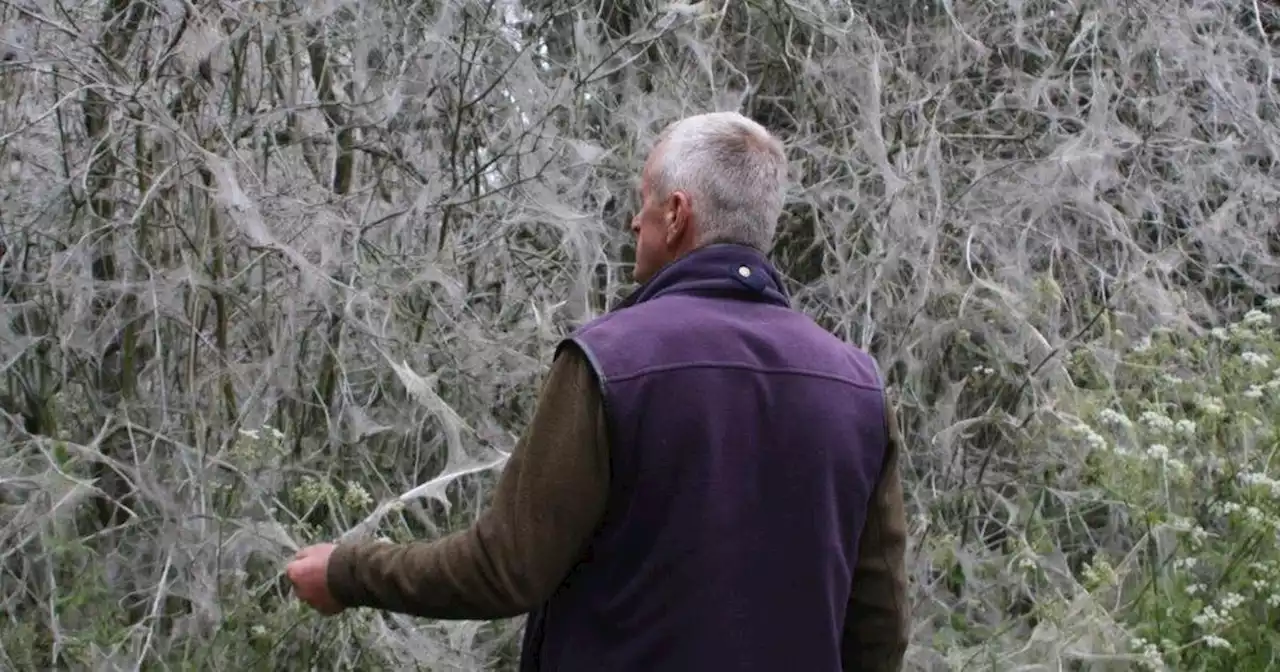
<point>1156,542</point>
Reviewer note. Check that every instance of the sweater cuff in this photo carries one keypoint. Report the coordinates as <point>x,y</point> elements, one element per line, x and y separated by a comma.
<point>341,576</point>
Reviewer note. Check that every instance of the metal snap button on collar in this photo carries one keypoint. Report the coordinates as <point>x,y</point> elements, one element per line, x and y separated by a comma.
<point>744,271</point>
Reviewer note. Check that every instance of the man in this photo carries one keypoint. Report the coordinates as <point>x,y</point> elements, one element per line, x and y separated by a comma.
<point>710,480</point>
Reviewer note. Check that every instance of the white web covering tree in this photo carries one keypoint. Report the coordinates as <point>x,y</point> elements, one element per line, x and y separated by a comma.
<point>279,271</point>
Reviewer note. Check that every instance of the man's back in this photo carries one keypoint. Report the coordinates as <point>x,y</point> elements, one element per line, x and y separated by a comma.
<point>745,445</point>
<point>709,480</point>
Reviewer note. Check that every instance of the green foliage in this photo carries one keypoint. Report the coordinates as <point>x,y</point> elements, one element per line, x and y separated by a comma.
<point>1182,458</point>
<point>1161,549</point>
<point>247,619</point>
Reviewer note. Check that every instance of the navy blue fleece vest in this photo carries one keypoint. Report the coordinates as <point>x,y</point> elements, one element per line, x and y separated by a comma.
<point>745,444</point>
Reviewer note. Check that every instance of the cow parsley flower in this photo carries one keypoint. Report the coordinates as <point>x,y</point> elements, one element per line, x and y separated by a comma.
<point>1210,405</point>
<point>1256,359</point>
<point>1149,653</point>
<point>1091,437</point>
<point>1211,618</point>
<point>1256,318</point>
<point>356,496</point>
<point>1157,421</point>
<point>1225,508</point>
<point>1114,418</point>
<point>1216,642</point>
<point>1260,480</point>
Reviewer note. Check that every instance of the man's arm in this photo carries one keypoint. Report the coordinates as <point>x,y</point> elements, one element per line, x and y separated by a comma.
<point>877,624</point>
<point>548,502</point>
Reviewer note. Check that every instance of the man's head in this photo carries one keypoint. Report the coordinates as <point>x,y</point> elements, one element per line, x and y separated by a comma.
<point>711,178</point>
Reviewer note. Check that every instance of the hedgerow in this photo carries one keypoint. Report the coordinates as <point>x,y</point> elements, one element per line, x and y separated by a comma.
<point>274,273</point>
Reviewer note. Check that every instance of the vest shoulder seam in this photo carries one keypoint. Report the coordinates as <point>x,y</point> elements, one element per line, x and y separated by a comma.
<point>707,364</point>
<point>601,377</point>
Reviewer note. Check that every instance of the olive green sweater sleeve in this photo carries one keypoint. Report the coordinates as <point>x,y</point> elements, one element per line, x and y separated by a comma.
<point>548,502</point>
<point>877,619</point>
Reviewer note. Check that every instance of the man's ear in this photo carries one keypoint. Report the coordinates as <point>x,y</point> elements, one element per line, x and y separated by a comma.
<point>677,217</point>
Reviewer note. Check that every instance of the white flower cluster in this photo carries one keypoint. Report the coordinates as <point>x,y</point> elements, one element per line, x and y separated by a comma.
<point>1210,405</point>
<point>356,496</point>
<point>1256,318</point>
<point>256,435</point>
<point>1249,328</point>
<point>1269,584</point>
<point>1149,654</point>
<point>1216,642</point>
<point>1156,422</point>
<point>1249,512</point>
<point>1152,439</point>
<point>1158,452</point>
<point>1090,437</point>
<point>1184,524</point>
<point>1099,573</point>
<point>1260,480</point>
<point>1113,418</point>
<point>312,491</point>
<point>1261,360</point>
<point>1159,422</point>
<point>257,447</point>
<point>1216,617</point>
<point>1256,359</point>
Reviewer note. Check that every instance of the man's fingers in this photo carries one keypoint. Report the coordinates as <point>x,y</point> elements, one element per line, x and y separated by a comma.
<point>304,585</point>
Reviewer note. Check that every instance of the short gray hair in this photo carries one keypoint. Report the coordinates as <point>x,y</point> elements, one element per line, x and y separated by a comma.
<point>734,170</point>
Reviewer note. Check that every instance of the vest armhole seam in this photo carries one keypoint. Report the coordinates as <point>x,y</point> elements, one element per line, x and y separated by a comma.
<point>592,361</point>
<point>602,383</point>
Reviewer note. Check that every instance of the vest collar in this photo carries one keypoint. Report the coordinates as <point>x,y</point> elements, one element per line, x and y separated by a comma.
<point>721,269</point>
